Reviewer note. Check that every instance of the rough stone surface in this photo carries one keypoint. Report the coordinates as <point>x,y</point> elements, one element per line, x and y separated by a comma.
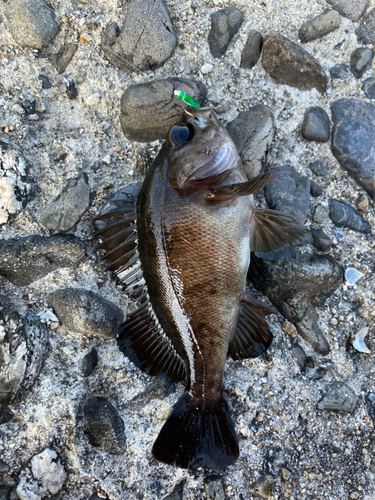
<point>339,71</point>
<point>24,260</point>
<point>319,26</point>
<point>252,132</point>
<point>214,488</point>
<point>353,10</point>
<point>353,140</point>
<point>343,215</point>
<point>338,396</point>
<point>251,52</point>
<point>224,25</point>
<point>368,87</point>
<point>360,61</point>
<point>63,57</point>
<point>84,311</point>
<point>263,487</point>
<point>103,425</point>
<point>89,362</point>
<point>315,125</point>
<point>147,37</point>
<point>149,110</point>
<point>5,492</point>
<point>315,189</point>
<point>319,168</point>
<point>66,210</point>
<point>366,29</point>
<point>320,240</point>
<point>292,65</point>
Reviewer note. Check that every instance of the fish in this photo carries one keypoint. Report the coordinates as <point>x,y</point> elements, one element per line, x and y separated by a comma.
<point>182,248</point>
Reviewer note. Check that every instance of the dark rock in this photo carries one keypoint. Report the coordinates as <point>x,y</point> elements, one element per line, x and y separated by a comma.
<point>252,132</point>
<point>343,215</point>
<point>353,140</point>
<point>89,362</point>
<point>289,193</point>
<point>5,492</point>
<point>103,425</point>
<point>177,491</point>
<point>315,125</point>
<point>319,26</point>
<point>353,10</point>
<point>83,311</point>
<point>65,211</point>
<point>296,287</point>
<point>263,487</point>
<point>149,110</point>
<point>366,30</point>
<point>315,189</point>
<point>370,400</point>
<point>62,58</point>
<point>137,46</point>
<point>302,359</point>
<point>360,61</point>
<point>4,467</point>
<point>320,240</point>
<point>338,396</point>
<point>319,168</point>
<point>29,106</point>
<point>292,65</point>
<point>339,71</point>
<point>224,25</point>
<point>71,91</point>
<point>46,84</point>
<point>368,87</point>
<point>24,260</point>
<point>213,486</point>
<point>32,23</point>
<point>251,51</point>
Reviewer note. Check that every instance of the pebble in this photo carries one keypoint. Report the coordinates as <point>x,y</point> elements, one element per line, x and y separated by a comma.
<point>289,328</point>
<point>71,91</point>
<point>339,71</point>
<point>315,125</point>
<point>263,487</point>
<point>315,189</point>
<point>103,425</point>
<point>4,467</point>
<point>319,168</point>
<point>48,470</point>
<point>368,87</point>
<point>366,29</point>
<point>359,341</point>
<point>29,106</point>
<point>320,240</point>
<point>353,275</point>
<point>352,9</point>
<point>214,488</point>
<point>46,84</point>
<point>292,65</point>
<point>251,52</point>
<point>343,215</point>
<point>338,396</point>
<point>107,159</point>
<point>89,362</point>
<point>63,57</point>
<point>319,26</point>
<point>362,202</point>
<point>224,25</point>
<point>360,61</point>
<point>370,399</point>
<point>206,68</point>
<point>302,359</point>
<point>87,312</point>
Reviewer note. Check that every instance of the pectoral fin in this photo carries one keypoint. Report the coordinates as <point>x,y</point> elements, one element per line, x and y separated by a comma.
<point>224,193</point>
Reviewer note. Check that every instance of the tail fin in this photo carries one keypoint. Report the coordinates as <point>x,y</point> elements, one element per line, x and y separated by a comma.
<point>197,435</point>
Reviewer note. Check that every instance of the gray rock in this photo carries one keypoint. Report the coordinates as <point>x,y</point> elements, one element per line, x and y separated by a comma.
<point>296,287</point>
<point>224,25</point>
<point>339,72</point>
<point>252,132</point>
<point>343,215</point>
<point>263,487</point>
<point>66,210</point>
<point>370,400</point>
<point>353,140</point>
<point>147,37</point>
<point>360,61</point>
<point>366,29</point>
<point>315,189</point>
<point>32,23</point>
<point>362,202</point>
<point>89,362</point>
<point>29,106</point>
<point>103,425</point>
<point>24,260</point>
<point>177,491</point>
<point>62,58</point>
<point>353,10</point>
<point>319,168</point>
<point>302,359</point>
<point>214,489</point>
<point>83,311</point>
<point>46,84</point>
<point>4,467</point>
<point>368,87</point>
<point>289,193</point>
<point>292,65</point>
<point>149,110</point>
<point>338,396</point>
<point>319,26</point>
<point>315,125</point>
<point>251,52</point>
<point>5,492</point>
<point>320,240</point>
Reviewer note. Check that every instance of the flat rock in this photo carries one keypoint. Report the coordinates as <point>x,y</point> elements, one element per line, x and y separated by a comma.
<point>353,140</point>
<point>315,125</point>
<point>251,52</point>
<point>252,132</point>
<point>343,215</point>
<point>319,26</point>
<point>103,425</point>
<point>338,396</point>
<point>352,9</point>
<point>32,23</point>
<point>360,61</point>
<point>319,168</point>
<point>147,37</point>
<point>149,110</point>
<point>224,25</point>
<point>66,210</point>
<point>84,311</point>
<point>292,65</point>
<point>366,29</point>
<point>62,58</point>
<point>368,87</point>
<point>339,72</point>
<point>320,240</point>
<point>27,259</point>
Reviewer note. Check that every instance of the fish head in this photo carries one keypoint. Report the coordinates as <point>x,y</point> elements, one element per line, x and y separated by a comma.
<point>200,153</point>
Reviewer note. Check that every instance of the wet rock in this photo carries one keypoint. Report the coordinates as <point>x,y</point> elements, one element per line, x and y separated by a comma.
<point>339,72</point>
<point>366,29</point>
<point>66,210</point>
<point>360,61</point>
<point>296,287</point>
<point>292,65</point>
<point>319,168</point>
<point>343,215</point>
<point>149,110</point>
<point>224,25</point>
<point>32,23</point>
<point>251,52</point>
<point>315,189</point>
<point>213,486</point>
<point>62,58</point>
<point>353,10</point>
<point>89,362</point>
<point>263,487</point>
<point>144,48</point>
<point>362,203</point>
<point>83,311</point>
<point>337,396</point>
<point>252,132</point>
<point>368,87</point>
<point>24,260</point>
<point>315,125</point>
<point>319,26</point>
<point>46,84</point>
<point>320,240</point>
<point>103,425</point>
<point>289,193</point>
<point>353,140</point>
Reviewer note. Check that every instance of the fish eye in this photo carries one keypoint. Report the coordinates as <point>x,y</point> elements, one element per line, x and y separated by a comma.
<point>179,134</point>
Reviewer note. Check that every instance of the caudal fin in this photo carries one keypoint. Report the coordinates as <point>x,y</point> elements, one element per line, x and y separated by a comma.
<point>197,435</point>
